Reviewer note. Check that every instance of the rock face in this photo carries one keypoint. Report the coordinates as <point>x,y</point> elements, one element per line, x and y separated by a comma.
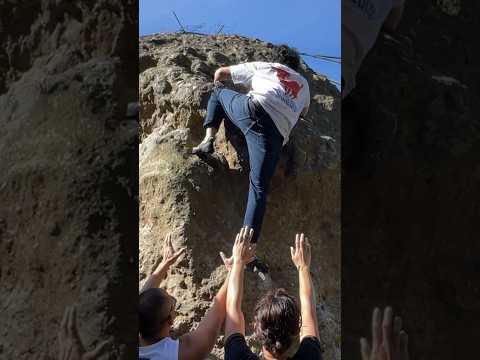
<point>68,179</point>
<point>202,201</point>
<point>411,185</point>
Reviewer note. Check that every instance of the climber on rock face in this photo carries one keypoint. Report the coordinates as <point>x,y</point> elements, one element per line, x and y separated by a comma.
<point>361,24</point>
<point>278,320</point>
<point>278,95</point>
<point>157,311</point>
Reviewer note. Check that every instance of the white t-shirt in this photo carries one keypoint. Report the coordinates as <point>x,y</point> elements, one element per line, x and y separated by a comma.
<point>165,349</point>
<point>283,93</point>
<point>361,24</point>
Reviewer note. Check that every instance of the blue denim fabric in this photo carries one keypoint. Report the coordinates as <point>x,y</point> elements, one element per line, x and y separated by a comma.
<point>264,143</point>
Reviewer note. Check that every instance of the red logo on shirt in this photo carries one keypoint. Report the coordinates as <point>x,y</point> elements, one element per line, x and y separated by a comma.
<point>291,87</point>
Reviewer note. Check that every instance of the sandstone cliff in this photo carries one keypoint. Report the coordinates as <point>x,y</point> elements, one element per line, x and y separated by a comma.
<point>68,156</point>
<point>202,202</point>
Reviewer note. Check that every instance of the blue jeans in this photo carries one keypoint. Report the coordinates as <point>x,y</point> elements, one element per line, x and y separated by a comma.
<point>264,143</point>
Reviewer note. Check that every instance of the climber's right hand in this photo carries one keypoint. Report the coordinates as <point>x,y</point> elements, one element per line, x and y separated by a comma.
<point>221,74</point>
<point>243,249</point>
<point>301,253</point>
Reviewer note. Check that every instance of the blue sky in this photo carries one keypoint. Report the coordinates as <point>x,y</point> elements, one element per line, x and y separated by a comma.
<point>311,26</point>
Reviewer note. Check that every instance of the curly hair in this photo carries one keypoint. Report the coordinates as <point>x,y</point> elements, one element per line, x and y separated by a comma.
<point>277,321</point>
<point>287,56</point>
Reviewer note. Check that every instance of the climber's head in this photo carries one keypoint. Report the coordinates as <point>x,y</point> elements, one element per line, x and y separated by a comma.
<point>287,56</point>
<point>276,321</point>
<point>156,313</point>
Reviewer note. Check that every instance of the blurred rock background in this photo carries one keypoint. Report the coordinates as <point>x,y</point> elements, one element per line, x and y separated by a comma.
<point>68,185</point>
<point>411,182</point>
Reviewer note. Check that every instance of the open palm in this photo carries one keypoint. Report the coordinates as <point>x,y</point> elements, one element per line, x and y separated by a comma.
<point>169,254</point>
<point>389,340</point>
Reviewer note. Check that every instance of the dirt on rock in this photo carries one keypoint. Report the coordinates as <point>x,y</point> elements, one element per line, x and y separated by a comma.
<point>69,169</point>
<point>411,183</point>
<point>202,200</point>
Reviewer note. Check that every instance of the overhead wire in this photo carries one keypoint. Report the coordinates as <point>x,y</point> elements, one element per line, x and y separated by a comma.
<point>327,58</point>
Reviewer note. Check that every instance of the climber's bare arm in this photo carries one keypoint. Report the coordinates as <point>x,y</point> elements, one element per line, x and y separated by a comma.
<point>168,259</point>
<point>305,109</point>
<point>304,112</point>
<point>301,257</point>
<point>243,252</point>
<point>222,74</point>
<point>199,343</point>
<point>394,17</point>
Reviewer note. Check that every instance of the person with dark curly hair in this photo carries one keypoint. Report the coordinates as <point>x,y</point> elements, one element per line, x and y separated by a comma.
<point>277,96</point>
<point>278,320</point>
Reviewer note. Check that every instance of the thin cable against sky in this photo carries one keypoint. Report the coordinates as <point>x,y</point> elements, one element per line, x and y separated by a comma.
<point>312,27</point>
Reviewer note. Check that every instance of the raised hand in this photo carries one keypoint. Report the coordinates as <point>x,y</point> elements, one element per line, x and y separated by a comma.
<point>228,262</point>
<point>70,344</point>
<point>243,250</point>
<point>389,341</point>
<point>301,254</point>
<point>162,267</point>
<point>169,254</point>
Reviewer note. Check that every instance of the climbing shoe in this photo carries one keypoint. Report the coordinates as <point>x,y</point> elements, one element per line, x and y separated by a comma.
<point>205,147</point>
<point>258,267</point>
